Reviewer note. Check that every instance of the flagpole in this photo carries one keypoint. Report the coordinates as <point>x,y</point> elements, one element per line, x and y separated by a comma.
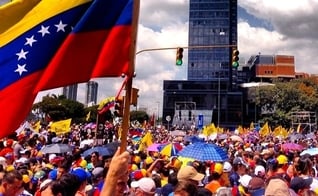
<point>132,55</point>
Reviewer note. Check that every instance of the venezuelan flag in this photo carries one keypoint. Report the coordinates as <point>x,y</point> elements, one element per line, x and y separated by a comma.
<point>47,44</point>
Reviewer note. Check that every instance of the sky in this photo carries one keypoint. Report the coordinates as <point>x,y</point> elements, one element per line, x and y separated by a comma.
<point>269,27</point>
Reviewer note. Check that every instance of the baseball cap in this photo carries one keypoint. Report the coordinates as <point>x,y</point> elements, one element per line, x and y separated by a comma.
<point>259,170</point>
<point>282,159</point>
<point>298,183</point>
<point>227,167</point>
<point>98,172</point>
<point>146,184</point>
<point>245,180</point>
<point>218,168</point>
<point>189,173</point>
<point>80,173</point>
<point>239,161</point>
<point>256,183</point>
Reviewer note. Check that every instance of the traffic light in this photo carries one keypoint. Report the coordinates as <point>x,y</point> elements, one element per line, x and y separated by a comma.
<point>179,56</point>
<point>235,58</point>
<point>119,107</point>
<point>134,96</point>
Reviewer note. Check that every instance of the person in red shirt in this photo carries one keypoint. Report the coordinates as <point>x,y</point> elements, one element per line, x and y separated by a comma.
<point>7,149</point>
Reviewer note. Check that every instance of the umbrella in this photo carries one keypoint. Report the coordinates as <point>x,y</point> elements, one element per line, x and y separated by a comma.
<point>204,152</point>
<point>310,151</point>
<point>171,149</point>
<point>236,138</point>
<point>112,146</point>
<point>177,133</point>
<point>102,150</point>
<point>292,146</point>
<point>193,139</point>
<point>154,147</point>
<point>56,148</point>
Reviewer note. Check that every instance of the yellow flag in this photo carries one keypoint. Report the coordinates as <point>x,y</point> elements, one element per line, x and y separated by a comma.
<point>36,126</point>
<point>252,126</point>
<point>240,130</point>
<point>61,127</point>
<point>145,141</point>
<point>209,129</point>
<point>88,116</point>
<point>264,130</point>
<point>298,128</point>
<point>277,131</point>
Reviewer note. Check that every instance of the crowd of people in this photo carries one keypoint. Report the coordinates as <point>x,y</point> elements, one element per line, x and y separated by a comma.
<point>255,167</point>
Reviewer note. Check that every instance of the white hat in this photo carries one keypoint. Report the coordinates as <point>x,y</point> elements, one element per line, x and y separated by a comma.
<point>245,180</point>
<point>227,167</point>
<point>51,157</point>
<point>145,184</point>
<point>259,170</point>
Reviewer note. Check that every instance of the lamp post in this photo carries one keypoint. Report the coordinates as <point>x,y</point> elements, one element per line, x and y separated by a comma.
<point>158,105</point>
<point>219,96</point>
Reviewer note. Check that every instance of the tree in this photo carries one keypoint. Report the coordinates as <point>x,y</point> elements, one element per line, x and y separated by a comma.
<point>140,116</point>
<point>279,101</point>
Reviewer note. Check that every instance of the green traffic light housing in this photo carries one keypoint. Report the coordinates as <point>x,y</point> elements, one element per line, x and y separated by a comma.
<point>235,58</point>
<point>179,56</point>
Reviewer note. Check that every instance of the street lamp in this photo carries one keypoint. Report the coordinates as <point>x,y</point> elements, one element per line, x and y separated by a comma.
<point>158,105</point>
<point>219,96</point>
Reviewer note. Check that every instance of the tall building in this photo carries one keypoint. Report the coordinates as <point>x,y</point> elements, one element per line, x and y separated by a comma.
<point>70,92</point>
<point>209,92</point>
<point>91,93</point>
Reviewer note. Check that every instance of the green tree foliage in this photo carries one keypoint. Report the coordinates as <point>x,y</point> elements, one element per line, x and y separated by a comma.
<point>284,98</point>
<point>60,108</point>
<point>140,116</point>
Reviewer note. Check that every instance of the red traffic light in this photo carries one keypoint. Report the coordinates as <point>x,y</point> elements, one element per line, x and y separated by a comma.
<point>179,56</point>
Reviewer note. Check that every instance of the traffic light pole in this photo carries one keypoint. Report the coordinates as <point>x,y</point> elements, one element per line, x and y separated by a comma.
<point>185,47</point>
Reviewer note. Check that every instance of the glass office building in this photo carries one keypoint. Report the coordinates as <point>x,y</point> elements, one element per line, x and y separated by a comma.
<point>209,91</point>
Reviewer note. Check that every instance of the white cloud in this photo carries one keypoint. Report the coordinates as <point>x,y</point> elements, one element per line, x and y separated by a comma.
<point>165,24</point>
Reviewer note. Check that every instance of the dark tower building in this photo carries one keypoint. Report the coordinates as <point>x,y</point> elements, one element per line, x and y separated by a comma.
<point>91,93</point>
<point>210,92</point>
<point>70,92</point>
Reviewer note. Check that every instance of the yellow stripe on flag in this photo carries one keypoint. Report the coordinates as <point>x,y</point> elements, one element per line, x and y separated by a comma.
<point>31,13</point>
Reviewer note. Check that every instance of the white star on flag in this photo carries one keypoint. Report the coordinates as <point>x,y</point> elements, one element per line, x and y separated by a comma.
<point>44,30</point>
<point>21,69</point>
<point>22,54</point>
<point>60,26</point>
<point>30,41</point>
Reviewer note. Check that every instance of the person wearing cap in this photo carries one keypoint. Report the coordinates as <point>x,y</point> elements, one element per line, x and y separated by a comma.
<point>144,187</point>
<point>239,169</point>
<point>214,178</point>
<point>227,169</point>
<point>303,168</point>
<point>189,173</point>
<point>83,176</point>
<point>256,185</point>
<point>19,146</point>
<point>8,148</point>
<point>300,185</point>
<point>244,182</point>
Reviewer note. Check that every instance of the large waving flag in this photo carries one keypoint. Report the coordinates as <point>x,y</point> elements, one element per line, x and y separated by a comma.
<point>47,44</point>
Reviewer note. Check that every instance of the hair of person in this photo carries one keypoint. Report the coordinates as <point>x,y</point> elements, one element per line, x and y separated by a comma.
<point>172,178</point>
<point>10,177</point>
<point>67,185</point>
<point>188,187</point>
<point>304,165</point>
